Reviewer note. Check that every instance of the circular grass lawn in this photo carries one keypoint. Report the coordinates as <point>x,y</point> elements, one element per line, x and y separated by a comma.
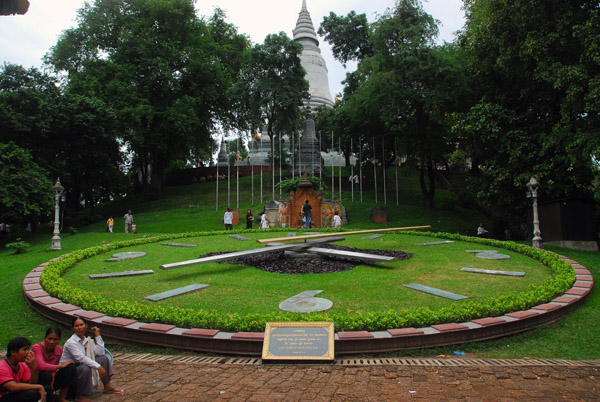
<point>244,291</point>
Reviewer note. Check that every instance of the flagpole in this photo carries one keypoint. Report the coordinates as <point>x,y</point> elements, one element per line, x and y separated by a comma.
<point>360,172</point>
<point>396,163</point>
<point>383,168</point>
<point>340,168</point>
<point>375,169</point>
<point>351,172</point>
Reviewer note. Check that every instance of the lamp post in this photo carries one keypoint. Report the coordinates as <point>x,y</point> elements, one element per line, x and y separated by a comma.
<point>533,186</point>
<point>58,190</point>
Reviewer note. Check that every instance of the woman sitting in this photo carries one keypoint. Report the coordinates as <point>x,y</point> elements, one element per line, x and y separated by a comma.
<point>52,374</point>
<point>90,359</point>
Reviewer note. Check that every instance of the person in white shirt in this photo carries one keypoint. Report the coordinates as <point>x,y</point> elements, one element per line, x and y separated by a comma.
<point>337,220</point>
<point>228,219</point>
<point>481,232</point>
<point>79,348</point>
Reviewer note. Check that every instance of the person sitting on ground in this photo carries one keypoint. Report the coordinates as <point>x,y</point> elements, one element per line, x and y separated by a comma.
<point>90,358</point>
<point>481,232</point>
<point>19,374</point>
<point>53,375</point>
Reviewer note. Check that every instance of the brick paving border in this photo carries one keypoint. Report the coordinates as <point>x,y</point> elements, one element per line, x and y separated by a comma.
<point>350,342</point>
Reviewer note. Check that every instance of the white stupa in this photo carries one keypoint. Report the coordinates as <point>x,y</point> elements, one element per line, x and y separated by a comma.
<point>312,61</point>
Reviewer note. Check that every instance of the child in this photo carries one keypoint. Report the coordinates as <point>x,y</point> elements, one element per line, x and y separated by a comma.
<point>133,227</point>
<point>337,221</point>
<point>19,374</point>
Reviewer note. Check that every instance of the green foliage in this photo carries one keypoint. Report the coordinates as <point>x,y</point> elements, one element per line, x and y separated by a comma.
<point>536,71</point>
<point>164,70</point>
<point>562,278</point>
<point>348,35</point>
<point>403,90</point>
<point>24,186</point>
<point>292,184</point>
<point>19,247</point>
<point>71,136</point>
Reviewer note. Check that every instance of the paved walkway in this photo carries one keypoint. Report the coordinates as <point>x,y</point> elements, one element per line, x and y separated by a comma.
<point>424,379</point>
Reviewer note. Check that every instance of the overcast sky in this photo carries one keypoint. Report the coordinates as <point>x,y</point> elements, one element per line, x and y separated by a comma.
<point>24,39</point>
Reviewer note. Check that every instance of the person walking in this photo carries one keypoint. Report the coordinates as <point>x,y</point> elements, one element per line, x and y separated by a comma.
<point>109,224</point>
<point>306,210</point>
<point>128,218</point>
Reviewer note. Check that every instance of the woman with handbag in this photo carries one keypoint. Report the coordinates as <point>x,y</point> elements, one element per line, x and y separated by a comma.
<point>91,360</point>
<point>52,374</point>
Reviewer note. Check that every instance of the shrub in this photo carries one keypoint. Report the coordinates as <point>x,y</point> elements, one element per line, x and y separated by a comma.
<point>562,278</point>
<point>20,246</point>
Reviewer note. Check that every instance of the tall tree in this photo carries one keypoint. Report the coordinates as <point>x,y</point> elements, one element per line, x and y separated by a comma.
<point>272,87</point>
<point>24,187</point>
<point>405,85</point>
<point>537,66</point>
<point>164,70</point>
<point>70,136</point>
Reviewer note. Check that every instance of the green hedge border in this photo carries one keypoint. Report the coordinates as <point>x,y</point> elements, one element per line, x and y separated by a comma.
<point>562,279</point>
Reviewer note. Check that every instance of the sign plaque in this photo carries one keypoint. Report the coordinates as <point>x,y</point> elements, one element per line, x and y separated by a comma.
<point>306,341</point>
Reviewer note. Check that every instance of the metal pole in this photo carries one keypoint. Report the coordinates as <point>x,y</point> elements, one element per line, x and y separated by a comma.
<point>217,206</point>
<point>396,163</point>
<point>340,169</point>
<point>293,152</point>
<point>360,172</point>
<point>228,179</point>
<point>320,144</point>
<point>351,172</point>
<point>237,177</point>
<point>273,169</point>
<point>280,158</point>
<point>332,171</point>
<point>375,169</point>
<point>383,168</point>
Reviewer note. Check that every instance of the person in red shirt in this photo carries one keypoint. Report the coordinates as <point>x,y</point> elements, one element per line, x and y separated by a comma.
<point>53,375</point>
<point>19,374</point>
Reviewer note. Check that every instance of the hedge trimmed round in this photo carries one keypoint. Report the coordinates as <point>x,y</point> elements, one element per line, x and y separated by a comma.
<point>559,280</point>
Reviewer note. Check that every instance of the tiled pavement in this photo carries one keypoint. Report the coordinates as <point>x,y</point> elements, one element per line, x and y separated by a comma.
<point>432,380</point>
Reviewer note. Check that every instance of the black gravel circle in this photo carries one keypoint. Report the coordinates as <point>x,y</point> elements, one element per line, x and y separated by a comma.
<point>276,262</point>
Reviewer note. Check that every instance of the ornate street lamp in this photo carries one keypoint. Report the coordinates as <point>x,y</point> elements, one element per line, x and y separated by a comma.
<point>533,186</point>
<point>58,190</point>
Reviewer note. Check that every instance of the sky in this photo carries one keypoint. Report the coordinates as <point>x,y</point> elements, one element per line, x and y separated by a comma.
<point>24,39</point>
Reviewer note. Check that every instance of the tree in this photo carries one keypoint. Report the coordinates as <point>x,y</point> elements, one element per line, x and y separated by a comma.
<point>164,71</point>
<point>349,36</point>
<point>71,136</point>
<point>537,66</point>
<point>272,87</point>
<point>404,88</point>
<point>25,189</point>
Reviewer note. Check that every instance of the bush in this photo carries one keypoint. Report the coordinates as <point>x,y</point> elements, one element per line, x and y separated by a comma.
<point>562,278</point>
<point>20,246</point>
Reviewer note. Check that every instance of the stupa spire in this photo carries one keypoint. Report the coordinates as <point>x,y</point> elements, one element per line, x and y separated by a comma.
<point>311,59</point>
